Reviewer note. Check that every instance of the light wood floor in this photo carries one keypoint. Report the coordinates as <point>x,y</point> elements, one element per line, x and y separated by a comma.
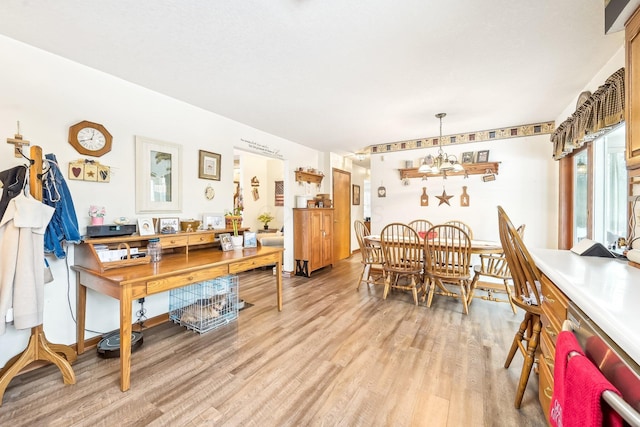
<point>333,356</point>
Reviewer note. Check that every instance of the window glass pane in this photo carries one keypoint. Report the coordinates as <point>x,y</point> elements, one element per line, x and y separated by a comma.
<point>580,195</point>
<point>610,192</point>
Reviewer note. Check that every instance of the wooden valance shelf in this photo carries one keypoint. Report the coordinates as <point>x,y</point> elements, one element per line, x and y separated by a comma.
<point>309,177</point>
<point>469,169</point>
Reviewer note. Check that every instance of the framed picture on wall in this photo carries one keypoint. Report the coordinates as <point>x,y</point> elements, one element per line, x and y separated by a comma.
<point>209,165</point>
<point>467,157</point>
<point>483,156</point>
<point>355,194</point>
<point>158,167</point>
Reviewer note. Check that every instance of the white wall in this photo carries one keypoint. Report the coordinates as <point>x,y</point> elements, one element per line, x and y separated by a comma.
<point>526,187</point>
<point>47,94</point>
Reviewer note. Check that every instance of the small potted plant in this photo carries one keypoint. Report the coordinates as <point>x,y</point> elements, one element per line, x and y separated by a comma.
<point>233,220</point>
<point>97,214</point>
<point>233,216</point>
<point>266,218</point>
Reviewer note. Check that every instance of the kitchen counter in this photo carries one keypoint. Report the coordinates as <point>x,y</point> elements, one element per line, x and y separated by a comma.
<point>605,289</point>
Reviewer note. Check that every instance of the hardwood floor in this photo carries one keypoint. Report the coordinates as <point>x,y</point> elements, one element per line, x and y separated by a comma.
<point>333,356</point>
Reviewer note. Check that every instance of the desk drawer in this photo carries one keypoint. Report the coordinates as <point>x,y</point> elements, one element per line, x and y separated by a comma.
<point>549,328</point>
<point>201,239</point>
<point>180,280</point>
<point>545,388</point>
<point>173,241</point>
<point>548,352</point>
<point>554,300</point>
<point>249,264</point>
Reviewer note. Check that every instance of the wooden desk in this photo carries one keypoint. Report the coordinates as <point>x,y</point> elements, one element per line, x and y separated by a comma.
<point>174,270</point>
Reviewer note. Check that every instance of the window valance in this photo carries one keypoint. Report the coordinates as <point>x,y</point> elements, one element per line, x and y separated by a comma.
<point>599,113</point>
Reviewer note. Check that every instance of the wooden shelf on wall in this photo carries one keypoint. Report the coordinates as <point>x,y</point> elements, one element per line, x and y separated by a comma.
<point>309,177</point>
<point>469,168</point>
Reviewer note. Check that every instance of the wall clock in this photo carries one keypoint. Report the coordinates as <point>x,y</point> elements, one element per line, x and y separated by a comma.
<point>90,139</point>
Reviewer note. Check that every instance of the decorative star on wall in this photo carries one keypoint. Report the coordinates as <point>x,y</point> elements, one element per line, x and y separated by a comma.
<point>444,198</point>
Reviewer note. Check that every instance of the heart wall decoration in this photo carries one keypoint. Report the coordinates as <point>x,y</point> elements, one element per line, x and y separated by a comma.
<point>89,170</point>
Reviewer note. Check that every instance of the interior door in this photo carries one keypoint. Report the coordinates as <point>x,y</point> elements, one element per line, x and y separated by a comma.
<point>341,214</point>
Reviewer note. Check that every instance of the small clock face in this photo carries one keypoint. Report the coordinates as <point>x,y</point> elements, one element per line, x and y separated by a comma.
<point>91,139</point>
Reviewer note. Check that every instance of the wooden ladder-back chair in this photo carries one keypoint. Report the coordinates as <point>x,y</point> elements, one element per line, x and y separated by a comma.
<point>526,295</point>
<point>447,253</point>
<point>421,226</point>
<point>462,225</point>
<point>371,256</point>
<point>402,258</point>
<point>494,266</point>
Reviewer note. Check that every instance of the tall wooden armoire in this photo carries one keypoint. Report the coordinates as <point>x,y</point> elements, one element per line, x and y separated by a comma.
<point>312,239</point>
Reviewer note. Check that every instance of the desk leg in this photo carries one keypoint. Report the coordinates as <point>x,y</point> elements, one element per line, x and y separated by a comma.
<point>81,311</point>
<point>279,284</point>
<point>125,337</point>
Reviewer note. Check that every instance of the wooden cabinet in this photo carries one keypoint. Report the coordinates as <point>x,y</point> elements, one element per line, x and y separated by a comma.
<point>632,83</point>
<point>312,239</point>
<point>554,313</point>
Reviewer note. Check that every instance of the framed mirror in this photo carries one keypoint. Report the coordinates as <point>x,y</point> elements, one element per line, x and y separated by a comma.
<point>158,176</point>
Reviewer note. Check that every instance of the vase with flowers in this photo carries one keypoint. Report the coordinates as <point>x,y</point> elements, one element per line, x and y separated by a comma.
<point>266,218</point>
<point>97,214</point>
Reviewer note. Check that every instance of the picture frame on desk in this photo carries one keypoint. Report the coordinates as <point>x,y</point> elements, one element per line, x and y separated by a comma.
<point>225,242</point>
<point>145,227</point>
<point>168,225</point>
<point>213,221</point>
<point>250,240</point>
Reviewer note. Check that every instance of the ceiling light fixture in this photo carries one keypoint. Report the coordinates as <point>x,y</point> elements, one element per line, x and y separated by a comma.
<point>443,163</point>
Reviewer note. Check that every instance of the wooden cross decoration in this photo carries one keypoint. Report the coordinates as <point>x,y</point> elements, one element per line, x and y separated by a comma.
<point>18,143</point>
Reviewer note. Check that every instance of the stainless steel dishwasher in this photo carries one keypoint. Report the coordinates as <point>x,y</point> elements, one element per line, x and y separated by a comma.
<point>622,371</point>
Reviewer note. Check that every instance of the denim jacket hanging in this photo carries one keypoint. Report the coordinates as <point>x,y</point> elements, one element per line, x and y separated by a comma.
<point>64,223</point>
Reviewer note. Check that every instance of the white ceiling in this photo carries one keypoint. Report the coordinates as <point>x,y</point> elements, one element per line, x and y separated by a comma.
<point>337,75</point>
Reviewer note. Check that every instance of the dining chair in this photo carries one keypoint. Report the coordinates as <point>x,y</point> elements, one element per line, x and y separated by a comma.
<point>371,256</point>
<point>526,295</point>
<point>421,226</point>
<point>494,266</point>
<point>462,225</point>
<point>402,259</point>
<point>447,257</point>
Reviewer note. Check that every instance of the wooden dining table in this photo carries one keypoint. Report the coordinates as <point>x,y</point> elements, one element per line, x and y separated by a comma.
<point>477,246</point>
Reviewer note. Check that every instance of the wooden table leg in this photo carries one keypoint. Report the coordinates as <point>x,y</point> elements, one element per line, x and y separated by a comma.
<point>125,338</point>
<point>279,284</point>
<point>81,311</point>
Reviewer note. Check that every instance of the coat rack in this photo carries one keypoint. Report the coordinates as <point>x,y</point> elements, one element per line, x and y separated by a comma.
<point>38,348</point>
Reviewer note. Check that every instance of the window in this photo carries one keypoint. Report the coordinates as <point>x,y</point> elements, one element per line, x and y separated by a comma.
<point>600,189</point>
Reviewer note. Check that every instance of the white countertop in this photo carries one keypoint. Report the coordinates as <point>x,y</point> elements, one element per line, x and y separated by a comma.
<point>605,289</point>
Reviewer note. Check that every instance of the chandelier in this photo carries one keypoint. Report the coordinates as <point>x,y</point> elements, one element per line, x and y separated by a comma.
<point>443,162</point>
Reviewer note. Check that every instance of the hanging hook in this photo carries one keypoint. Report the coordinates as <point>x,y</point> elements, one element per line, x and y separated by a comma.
<point>19,150</point>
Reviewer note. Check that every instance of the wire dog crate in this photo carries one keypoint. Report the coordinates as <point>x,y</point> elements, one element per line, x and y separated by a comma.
<point>205,305</point>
